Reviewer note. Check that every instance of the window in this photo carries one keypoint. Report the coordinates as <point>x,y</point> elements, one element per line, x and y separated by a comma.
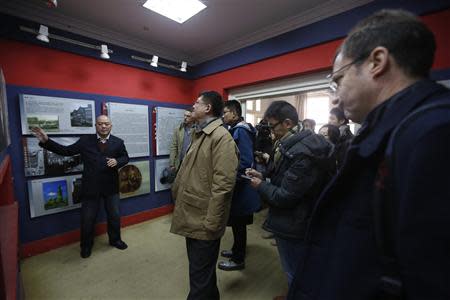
<point>308,94</point>
<point>258,105</point>
<point>317,107</point>
<point>249,104</point>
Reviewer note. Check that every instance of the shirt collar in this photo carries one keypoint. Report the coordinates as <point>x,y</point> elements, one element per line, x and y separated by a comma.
<point>103,140</point>
<point>202,125</point>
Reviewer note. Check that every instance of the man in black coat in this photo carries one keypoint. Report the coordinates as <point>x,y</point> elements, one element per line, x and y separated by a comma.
<point>381,228</point>
<point>102,155</point>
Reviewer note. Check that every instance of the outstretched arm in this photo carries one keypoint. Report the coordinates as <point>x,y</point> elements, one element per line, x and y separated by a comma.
<point>48,144</point>
<point>40,134</point>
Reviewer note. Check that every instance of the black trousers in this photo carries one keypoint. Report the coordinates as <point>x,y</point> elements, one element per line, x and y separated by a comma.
<point>240,242</point>
<point>89,212</point>
<point>202,256</point>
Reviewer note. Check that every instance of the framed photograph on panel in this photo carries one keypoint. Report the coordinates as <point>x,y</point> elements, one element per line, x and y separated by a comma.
<point>134,179</point>
<point>57,115</point>
<point>39,161</point>
<point>52,195</point>
<point>160,165</point>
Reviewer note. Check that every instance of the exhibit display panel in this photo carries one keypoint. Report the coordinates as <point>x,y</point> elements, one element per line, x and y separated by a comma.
<point>53,195</point>
<point>134,179</point>
<point>160,165</point>
<point>131,123</point>
<point>167,119</point>
<point>57,115</point>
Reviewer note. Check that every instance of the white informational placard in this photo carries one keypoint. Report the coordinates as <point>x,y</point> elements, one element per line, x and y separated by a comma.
<point>134,179</point>
<point>39,161</point>
<point>52,195</point>
<point>57,115</point>
<point>160,165</point>
<point>130,123</point>
<point>166,121</point>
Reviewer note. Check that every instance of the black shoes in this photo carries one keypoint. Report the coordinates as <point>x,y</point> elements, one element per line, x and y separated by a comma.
<point>226,253</point>
<point>85,252</point>
<point>119,244</point>
<point>230,265</point>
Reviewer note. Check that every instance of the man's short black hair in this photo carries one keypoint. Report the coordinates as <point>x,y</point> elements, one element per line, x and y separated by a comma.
<point>339,113</point>
<point>234,106</point>
<point>311,122</point>
<point>280,111</point>
<point>215,100</point>
<point>406,37</point>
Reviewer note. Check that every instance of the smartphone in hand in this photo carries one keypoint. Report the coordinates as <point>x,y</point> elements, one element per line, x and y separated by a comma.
<point>246,177</point>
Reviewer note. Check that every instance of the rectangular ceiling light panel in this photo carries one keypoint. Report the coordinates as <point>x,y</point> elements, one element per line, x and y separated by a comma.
<point>177,10</point>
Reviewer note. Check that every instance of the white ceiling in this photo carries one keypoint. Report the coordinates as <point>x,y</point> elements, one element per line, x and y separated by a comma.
<point>224,26</point>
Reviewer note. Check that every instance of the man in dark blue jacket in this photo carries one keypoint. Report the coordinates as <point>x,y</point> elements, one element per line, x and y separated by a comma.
<point>302,164</point>
<point>381,228</point>
<point>245,200</point>
<point>102,155</point>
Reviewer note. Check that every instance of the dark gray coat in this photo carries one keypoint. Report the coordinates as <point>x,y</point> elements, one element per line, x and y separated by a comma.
<point>296,182</point>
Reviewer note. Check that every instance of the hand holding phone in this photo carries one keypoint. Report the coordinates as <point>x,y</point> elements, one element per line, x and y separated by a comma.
<point>246,177</point>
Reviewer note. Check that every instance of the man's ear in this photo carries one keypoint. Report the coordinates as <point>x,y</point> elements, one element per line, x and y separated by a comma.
<point>289,123</point>
<point>379,61</point>
<point>208,108</point>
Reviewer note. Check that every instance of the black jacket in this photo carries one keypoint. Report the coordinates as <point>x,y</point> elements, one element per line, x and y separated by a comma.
<point>295,183</point>
<point>97,178</point>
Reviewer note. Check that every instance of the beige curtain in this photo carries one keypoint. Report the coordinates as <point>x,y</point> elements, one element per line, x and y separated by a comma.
<point>300,99</point>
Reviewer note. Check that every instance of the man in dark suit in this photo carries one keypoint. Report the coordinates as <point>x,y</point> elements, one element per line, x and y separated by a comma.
<point>102,154</point>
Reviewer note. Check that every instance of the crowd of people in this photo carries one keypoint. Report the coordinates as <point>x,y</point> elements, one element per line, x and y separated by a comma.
<point>362,216</point>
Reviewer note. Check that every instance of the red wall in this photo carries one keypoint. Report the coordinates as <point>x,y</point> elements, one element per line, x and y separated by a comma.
<point>35,66</point>
<point>312,59</point>
<point>30,65</point>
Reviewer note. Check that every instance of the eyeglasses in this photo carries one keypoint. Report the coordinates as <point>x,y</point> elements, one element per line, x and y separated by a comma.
<point>334,82</point>
<point>272,126</point>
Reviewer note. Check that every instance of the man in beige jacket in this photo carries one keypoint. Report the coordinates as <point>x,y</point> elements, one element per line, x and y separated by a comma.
<point>202,191</point>
<point>180,141</point>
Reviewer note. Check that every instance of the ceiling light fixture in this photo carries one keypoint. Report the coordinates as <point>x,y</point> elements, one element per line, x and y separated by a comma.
<point>183,66</point>
<point>154,62</point>
<point>104,52</point>
<point>177,10</point>
<point>43,34</point>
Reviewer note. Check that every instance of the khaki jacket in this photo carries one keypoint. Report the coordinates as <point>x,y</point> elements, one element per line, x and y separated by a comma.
<point>176,146</point>
<point>204,184</point>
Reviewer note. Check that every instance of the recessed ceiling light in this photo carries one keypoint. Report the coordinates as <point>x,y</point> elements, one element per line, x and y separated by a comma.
<point>177,10</point>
